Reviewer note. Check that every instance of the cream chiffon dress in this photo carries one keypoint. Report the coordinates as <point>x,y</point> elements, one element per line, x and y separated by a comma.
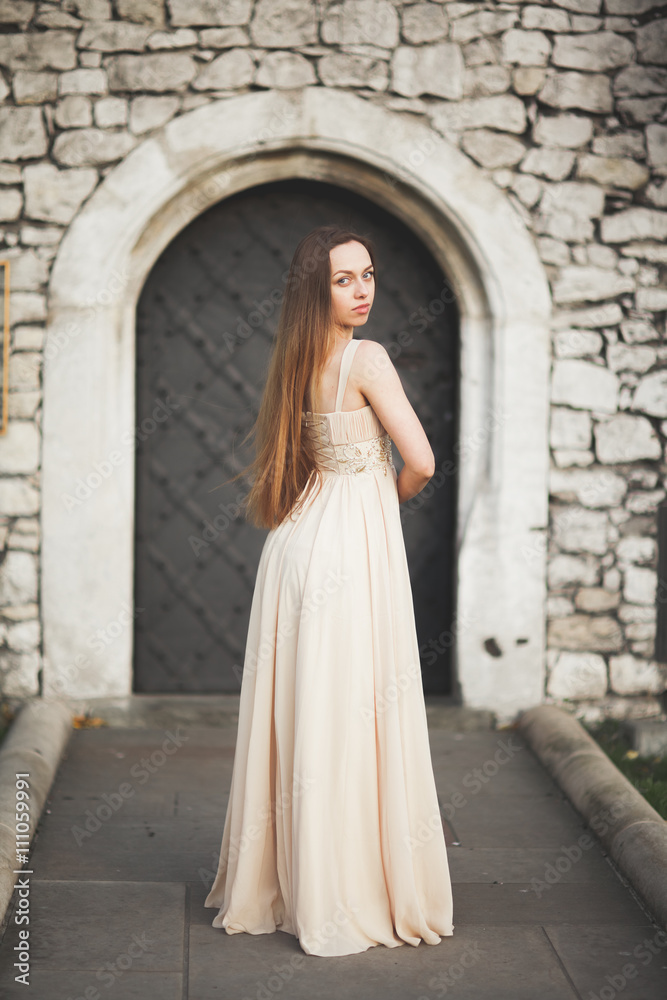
<point>333,829</point>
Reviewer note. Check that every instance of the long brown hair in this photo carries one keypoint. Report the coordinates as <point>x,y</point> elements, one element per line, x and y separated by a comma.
<point>285,460</point>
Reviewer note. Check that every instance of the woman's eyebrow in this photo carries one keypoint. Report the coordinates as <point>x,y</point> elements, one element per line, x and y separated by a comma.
<point>369,268</point>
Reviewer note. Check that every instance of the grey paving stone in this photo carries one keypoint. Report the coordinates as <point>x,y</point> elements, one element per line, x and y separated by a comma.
<point>513,821</point>
<point>502,963</point>
<point>521,864</point>
<point>79,926</point>
<point>56,985</point>
<point>512,903</point>
<point>613,960</point>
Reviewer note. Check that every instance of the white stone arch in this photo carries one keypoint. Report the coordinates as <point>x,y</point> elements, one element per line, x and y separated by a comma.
<point>89,406</point>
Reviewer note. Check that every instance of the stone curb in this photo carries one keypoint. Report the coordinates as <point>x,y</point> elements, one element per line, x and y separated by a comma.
<point>634,834</point>
<point>34,745</point>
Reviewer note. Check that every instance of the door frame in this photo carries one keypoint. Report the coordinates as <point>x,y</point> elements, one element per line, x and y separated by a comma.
<point>483,247</point>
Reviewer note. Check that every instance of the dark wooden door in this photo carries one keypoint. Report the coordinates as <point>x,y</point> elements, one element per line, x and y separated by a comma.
<point>205,323</point>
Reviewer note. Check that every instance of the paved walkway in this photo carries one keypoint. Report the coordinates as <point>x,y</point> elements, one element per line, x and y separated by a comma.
<point>125,852</point>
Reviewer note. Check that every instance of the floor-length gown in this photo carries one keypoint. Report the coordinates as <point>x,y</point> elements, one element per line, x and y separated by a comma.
<point>333,829</point>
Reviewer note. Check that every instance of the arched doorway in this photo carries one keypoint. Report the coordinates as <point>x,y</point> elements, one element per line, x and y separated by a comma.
<point>205,322</point>
<point>477,237</point>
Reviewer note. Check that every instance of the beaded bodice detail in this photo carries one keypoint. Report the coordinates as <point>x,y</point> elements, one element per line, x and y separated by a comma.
<point>349,442</point>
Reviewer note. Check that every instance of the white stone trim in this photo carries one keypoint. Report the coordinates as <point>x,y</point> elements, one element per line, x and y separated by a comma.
<point>481,243</point>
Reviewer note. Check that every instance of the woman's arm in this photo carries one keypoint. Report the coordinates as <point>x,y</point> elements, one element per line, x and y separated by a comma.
<point>374,374</point>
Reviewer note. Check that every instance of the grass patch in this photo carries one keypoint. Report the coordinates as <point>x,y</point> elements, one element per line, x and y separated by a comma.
<point>647,774</point>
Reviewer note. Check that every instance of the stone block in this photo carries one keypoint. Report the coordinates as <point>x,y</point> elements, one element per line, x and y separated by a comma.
<point>570,428</point>
<point>34,88</point>
<point>91,10</point>
<point>642,110</point>
<point>29,273</point>
<point>577,675</point>
<point>547,18</point>
<point>24,371</point>
<point>74,111</point>
<point>492,149</point>
<point>18,497</point>
<point>22,637</point>
<point>634,223</point>
<point>564,570</point>
<point>587,91</point>
<point>625,438</point>
<point>527,80</point>
<point>640,81</point>
<point>656,141</point>
<point>651,394</point>
<point>479,81</point>
<point>111,112</point>
<point>342,70</point>
<point>639,585</point>
<point>22,133</point>
<point>503,111</point>
<point>590,284</point>
<point>527,48</point>
<point>114,36</point>
<point>594,488</point>
<point>594,633</point>
<point>228,71</point>
<point>482,23</point>
<point>57,19</point>
<point>568,131</point>
<point>155,72</point>
<point>283,70</point>
<point>223,38</point>
<point>91,147</point>
<point>529,190</point>
<point>577,343</point>
<point>430,69</point>
<point>596,599</point>
<point>19,447</point>
<point>11,203</point>
<point>584,386</point>
<point>648,736</point>
<point>54,195</point>
<point>18,576</point>
<point>652,42</point>
<point>596,52</point>
<point>424,22</point>
<point>38,50</point>
<point>353,22</point>
<point>18,12</point>
<point>612,171</point>
<point>622,358</point>
<point>651,299</point>
<point>636,549</point>
<point>624,144</point>
<point>188,13</point>
<point>147,113</point>
<point>182,38</point>
<point>581,6</point>
<point>556,164</point>
<point>142,11</point>
<point>83,81</point>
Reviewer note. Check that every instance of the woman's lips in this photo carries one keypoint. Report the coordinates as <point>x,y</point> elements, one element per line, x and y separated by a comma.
<point>363,308</point>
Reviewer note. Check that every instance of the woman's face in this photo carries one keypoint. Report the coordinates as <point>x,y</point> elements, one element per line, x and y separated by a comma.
<point>352,284</point>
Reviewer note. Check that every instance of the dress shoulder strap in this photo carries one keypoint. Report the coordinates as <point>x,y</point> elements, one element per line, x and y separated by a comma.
<point>345,365</point>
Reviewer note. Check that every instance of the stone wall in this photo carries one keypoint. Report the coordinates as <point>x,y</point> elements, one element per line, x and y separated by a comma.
<point>563,105</point>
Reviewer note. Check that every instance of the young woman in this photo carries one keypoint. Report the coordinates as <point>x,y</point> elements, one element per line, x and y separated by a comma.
<point>333,829</point>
